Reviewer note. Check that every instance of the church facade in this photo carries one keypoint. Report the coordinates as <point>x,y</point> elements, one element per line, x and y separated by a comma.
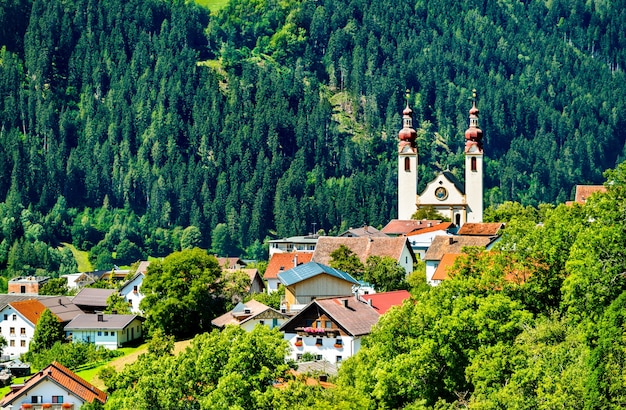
<point>445,194</point>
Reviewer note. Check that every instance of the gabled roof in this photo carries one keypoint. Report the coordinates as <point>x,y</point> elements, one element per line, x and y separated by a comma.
<point>583,192</point>
<point>363,231</point>
<point>481,229</point>
<point>92,297</point>
<point>143,267</point>
<point>30,309</point>
<point>242,313</point>
<point>355,317</point>
<point>362,247</point>
<point>383,301</point>
<point>280,262</point>
<point>441,273</point>
<point>404,226</point>
<point>457,184</point>
<point>111,322</point>
<point>62,307</point>
<point>308,270</point>
<point>63,377</point>
<point>229,262</point>
<point>453,244</point>
<point>441,226</point>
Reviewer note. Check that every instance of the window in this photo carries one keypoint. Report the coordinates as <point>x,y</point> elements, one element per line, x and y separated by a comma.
<point>36,399</point>
<point>318,357</point>
<point>14,317</point>
<point>22,331</point>
<point>299,356</point>
<point>99,333</point>
<point>473,162</point>
<point>328,324</point>
<point>106,333</point>
<point>338,342</point>
<point>22,343</point>
<point>57,399</point>
<point>458,219</point>
<point>6,317</point>
<point>135,289</point>
<point>12,331</point>
<point>318,341</point>
<point>12,343</point>
<point>339,358</point>
<point>308,323</point>
<point>262,322</point>
<point>318,324</point>
<point>407,164</point>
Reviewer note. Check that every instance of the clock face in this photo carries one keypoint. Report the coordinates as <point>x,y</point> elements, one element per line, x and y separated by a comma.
<point>441,193</point>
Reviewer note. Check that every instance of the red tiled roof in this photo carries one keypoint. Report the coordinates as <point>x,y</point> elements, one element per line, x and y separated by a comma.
<point>31,309</point>
<point>443,226</point>
<point>402,227</point>
<point>61,375</point>
<point>284,261</point>
<point>583,192</point>
<point>382,302</point>
<point>481,229</point>
<point>441,273</point>
<point>453,244</point>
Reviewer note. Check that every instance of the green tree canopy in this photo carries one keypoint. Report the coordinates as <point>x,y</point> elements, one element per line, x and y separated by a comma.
<point>182,293</point>
<point>345,260</point>
<point>48,331</point>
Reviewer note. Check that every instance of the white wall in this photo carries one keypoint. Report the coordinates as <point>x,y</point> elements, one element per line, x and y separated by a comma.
<point>46,389</point>
<point>16,338</point>
<point>327,351</point>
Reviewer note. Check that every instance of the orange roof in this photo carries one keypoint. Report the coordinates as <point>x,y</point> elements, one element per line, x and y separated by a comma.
<point>583,192</point>
<point>481,229</point>
<point>443,226</point>
<point>31,309</point>
<point>403,226</point>
<point>284,261</point>
<point>382,302</point>
<point>441,273</point>
<point>62,376</point>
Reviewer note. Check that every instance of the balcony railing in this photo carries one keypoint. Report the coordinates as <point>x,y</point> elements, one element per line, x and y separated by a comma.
<point>47,406</point>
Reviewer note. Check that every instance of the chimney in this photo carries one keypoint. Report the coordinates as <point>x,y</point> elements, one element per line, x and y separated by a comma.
<point>345,302</point>
<point>295,260</point>
<point>451,240</point>
<point>100,317</point>
<point>369,302</point>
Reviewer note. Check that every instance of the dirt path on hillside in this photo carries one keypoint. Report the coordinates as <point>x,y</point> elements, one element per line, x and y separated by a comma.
<point>119,363</point>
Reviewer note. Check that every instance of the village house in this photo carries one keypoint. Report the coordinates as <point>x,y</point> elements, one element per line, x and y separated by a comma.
<point>362,231</point>
<point>54,387</point>
<point>27,284</point>
<point>110,331</point>
<point>443,245</point>
<point>91,300</point>
<point>248,315</point>
<point>313,280</point>
<point>131,289</point>
<point>332,329</point>
<point>279,262</point>
<point>421,238</point>
<point>294,243</point>
<point>396,248</point>
<point>19,319</point>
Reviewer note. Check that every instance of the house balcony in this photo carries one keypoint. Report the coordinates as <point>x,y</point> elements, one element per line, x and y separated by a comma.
<point>47,406</point>
<point>315,331</point>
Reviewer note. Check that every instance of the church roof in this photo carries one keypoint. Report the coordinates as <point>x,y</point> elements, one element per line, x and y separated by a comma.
<point>457,184</point>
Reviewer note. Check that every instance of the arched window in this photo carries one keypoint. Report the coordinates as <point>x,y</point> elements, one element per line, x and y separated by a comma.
<point>457,219</point>
<point>473,162</point>
<point>407,164</point>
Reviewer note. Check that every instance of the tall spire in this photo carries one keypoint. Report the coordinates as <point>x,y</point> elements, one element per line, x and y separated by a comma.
<point>407,134</point>
<point>473,135</point>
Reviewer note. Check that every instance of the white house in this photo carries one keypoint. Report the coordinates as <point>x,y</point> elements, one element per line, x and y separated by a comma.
<point>19,318</point>
<point>110,331</point>
<point>294,243</point>
<point>420,239</point>
<point>332,329</point>
<point>54,387</point>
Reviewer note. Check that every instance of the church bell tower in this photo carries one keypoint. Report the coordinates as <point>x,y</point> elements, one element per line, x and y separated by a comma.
<point>474,166</point>
<point>407,165</point>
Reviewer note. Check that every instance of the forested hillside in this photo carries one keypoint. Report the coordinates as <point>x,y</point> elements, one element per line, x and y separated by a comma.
<point>133,128</point>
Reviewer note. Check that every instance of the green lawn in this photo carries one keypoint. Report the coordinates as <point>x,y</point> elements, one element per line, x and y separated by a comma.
<point>82,258</point>
<point>213,5</point>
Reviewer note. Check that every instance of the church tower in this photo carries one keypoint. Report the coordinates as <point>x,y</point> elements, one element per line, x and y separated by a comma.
<point>474,166</point>
<point>407,165</point>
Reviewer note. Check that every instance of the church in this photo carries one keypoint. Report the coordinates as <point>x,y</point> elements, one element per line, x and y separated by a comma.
<point>445,194</point>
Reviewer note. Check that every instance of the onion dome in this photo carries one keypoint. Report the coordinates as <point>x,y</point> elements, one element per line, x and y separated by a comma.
<point>473,133</point>
<point>407,133</point>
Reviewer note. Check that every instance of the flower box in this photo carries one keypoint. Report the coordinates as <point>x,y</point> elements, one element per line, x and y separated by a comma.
<point>298,344</point>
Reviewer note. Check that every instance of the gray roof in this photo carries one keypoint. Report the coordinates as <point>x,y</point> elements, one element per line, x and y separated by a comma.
<point>62,307</point>
<point>92,297</point>
<point>110,322</point>
<point>309,270</point>
<point>457,184</point>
